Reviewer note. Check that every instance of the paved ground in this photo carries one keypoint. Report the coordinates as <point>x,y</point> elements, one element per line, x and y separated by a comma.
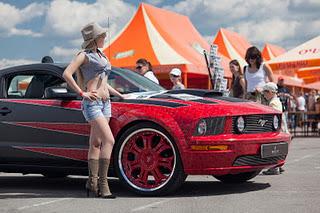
<point>296,190</point>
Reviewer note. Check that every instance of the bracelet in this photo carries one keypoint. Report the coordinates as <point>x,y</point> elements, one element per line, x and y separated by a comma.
<point>81,93</point>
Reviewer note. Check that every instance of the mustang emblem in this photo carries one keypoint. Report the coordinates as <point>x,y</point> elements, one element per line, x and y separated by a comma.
<point>262,122</point>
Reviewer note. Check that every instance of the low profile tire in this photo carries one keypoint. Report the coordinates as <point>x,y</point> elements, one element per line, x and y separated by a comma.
<point>237,178</point>
<point>147,160</point>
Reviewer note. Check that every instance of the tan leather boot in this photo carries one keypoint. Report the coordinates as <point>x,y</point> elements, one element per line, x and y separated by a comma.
<point>92,182</point>
<point>104,190</point>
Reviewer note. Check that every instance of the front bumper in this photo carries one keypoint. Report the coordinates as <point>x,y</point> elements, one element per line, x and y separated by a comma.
<point>242,155</point>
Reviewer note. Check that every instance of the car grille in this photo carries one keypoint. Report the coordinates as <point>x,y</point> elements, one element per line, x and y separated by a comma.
<point>255,160</point>
<point>252,124</point>
<point>215,125</point>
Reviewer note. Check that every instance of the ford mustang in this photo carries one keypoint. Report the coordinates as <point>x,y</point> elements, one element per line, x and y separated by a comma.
<point>161,135</point>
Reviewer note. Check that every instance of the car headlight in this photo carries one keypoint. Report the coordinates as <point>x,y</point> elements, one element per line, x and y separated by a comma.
<point>275,122</point>
<point>240,124</point>
<point>202,127</point>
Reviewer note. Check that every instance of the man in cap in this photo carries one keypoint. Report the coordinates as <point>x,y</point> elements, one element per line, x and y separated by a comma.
<point>284,94</point>
<point>270,93</point>
<point>175,77</point>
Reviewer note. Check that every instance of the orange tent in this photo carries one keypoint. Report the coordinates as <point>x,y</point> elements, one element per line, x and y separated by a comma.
<point>315,85</point>
<point>232,45</point>
<point>271,51</point>
<point>305,55</point>
<point>167,40</point>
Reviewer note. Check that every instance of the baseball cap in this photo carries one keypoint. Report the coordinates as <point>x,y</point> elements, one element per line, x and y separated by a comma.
<point>270,86</point>
<point>175,72</point>
<point>280,78</point>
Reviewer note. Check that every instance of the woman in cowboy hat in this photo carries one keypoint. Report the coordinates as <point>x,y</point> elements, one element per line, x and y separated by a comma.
<point>92,68</point>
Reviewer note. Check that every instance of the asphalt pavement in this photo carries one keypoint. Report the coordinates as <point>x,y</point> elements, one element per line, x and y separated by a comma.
<point>295,190</point>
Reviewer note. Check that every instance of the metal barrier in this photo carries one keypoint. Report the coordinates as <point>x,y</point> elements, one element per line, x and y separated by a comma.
<point>304,124</point>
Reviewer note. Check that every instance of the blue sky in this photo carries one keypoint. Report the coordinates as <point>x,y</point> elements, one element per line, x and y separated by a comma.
<point>31,29</point>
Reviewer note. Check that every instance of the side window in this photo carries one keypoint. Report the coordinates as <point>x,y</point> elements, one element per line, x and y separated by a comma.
<point>122,84</point>
<point>18,86</point>
<point>31,86</point>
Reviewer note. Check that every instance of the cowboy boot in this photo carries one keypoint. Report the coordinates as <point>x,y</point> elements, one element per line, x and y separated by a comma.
<point>104,190</point>
<point>92,182</point>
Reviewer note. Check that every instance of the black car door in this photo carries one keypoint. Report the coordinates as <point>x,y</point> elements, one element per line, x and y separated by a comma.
<point>38,134</point>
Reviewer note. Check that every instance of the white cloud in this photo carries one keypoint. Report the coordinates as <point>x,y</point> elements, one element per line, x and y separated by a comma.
<point>15,31</point>
<point>76,42</point>
<point>283,22</point>
<point>208,38</point>
<point>154,2</point>
<point>10,17</point>
<point>66,18</point>
<point>14,62</point>
<point>63,54</point>
<point>273,30</point>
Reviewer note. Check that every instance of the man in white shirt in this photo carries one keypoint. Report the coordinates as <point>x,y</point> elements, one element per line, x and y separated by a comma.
<point>270,93</point>
<point>301,102</point>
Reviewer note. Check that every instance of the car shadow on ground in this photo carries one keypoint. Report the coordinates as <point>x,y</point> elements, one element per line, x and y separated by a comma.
<point>38,186</point>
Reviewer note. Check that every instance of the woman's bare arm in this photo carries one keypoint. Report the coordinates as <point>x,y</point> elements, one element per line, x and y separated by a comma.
<point>114,92</point>
<point>268,72</point>
<point>243,83</point>
<point>70,70</point>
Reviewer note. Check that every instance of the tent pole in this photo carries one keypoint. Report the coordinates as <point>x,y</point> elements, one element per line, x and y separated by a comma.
<point>185,80</point>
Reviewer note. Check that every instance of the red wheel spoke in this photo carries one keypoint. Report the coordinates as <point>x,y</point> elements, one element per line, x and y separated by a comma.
<point>161,146</point>
<point>133,165</point>
<point>166,162</point>
<point>135,149</point>
<point>158,176</point>
<point>147,141</point>
<point>144,176</point>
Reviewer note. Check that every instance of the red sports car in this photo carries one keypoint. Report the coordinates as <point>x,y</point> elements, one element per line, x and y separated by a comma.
<point>161,136</point>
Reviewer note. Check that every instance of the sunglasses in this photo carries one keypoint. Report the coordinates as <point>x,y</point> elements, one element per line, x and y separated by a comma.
<point>253,57</point>
<point>138,67</point>
<point>175,76</point>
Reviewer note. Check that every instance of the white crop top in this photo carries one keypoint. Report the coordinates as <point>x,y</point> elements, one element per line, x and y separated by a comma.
<point>256,79</point>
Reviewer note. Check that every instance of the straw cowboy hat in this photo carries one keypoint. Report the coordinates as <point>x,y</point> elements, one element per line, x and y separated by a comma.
<point>90,32</point>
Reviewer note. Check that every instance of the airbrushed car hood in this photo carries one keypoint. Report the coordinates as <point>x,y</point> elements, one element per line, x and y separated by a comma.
<point>205,102</point>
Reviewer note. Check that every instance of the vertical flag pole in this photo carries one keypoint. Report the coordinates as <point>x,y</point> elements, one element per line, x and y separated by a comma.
<point>208,66</point>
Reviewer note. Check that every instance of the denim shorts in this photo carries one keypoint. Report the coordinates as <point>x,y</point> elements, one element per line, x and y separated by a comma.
<point>93,109</point>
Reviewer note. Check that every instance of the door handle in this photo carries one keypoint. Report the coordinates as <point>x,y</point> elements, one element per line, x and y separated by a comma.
<point>4,111</point>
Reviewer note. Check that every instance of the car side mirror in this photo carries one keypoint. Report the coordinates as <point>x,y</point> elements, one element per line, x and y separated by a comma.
<point>59,93</point>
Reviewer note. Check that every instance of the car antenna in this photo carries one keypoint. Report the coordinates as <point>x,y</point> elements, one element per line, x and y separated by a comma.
<point>108,28</point>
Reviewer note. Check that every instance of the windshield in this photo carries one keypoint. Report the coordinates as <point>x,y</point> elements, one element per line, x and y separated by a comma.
<point>127,81</point>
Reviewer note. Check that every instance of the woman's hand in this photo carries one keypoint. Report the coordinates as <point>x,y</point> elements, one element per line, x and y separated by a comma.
<point>124,96</point>
<point>259,89</point>
<point>91,95</point>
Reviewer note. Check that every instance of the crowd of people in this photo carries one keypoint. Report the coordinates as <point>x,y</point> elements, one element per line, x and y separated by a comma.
<point>256,82</point>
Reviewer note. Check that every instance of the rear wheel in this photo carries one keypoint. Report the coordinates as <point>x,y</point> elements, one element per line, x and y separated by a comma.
<point>237,178</point>
<point>147,160</point>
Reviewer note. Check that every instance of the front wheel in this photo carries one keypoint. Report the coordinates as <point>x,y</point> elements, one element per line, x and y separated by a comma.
<point>237,178</point>
<point>147,160</point>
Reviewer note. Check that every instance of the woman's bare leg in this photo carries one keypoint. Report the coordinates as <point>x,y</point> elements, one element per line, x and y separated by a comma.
<point>105,136</point>
<point>107,141</point>
<point>94,141</point>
